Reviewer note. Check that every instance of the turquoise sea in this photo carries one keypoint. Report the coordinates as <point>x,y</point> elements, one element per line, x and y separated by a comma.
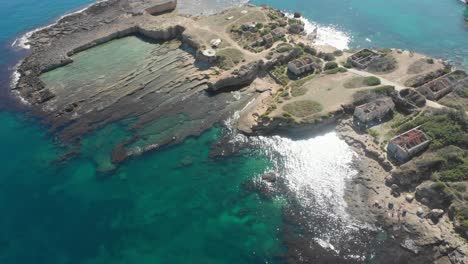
<point>178,205</point>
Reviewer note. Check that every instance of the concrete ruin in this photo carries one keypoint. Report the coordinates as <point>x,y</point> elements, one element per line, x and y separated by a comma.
<point>405,146</point>
<point>207,55</point>
<point>363,58</point>
<point>303,65</point>
<point>375,111</point>
<point>438,88</point>
<point>278,33</point>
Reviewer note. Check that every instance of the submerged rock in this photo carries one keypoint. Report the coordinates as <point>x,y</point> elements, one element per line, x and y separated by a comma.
<point>270,177</point>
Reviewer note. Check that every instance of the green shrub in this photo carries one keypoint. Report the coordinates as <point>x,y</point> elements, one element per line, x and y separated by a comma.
<point>284,47</point>
<point>265,31</point>
<point>336,70</point>
<point>457,174</point>
<point>330,65</point>
<point>310,50</point>
<point>259,25</point>
<point>384,90</point>
<point>371,81</point>
<point>373,132</point>
<point>326,56</point>
<point>337,53</point>
<point>430,61</point>
<point>347,65</point>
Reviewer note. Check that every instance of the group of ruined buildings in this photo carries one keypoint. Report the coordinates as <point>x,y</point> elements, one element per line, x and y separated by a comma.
<point>404,146</point>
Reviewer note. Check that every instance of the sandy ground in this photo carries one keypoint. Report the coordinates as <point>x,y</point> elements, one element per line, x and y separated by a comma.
<point>410,64</point>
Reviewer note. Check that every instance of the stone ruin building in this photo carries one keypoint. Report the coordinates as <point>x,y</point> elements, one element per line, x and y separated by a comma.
<point>302,65</point>
<point>405,146</point>
<point>363,58</point>
<point>438,88</point>
<point>372,112</point>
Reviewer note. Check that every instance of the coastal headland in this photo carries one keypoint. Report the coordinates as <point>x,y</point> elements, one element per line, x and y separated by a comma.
<point>166,76</point>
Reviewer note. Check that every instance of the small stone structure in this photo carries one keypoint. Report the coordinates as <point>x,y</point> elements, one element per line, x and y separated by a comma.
<point>374,111</point>
<point>268,40</point>
<point>438,88</point>
<point>363,58</point>
<point>207,55</point>
<point>278,33</point>
<point>403,147</point>
<point>248,26</point>
<point>302,65</point>
<point>215,43</point>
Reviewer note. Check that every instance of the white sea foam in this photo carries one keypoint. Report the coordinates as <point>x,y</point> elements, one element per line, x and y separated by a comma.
<point>326,35</point>
<point>316,169</point>
<point>22,42</point>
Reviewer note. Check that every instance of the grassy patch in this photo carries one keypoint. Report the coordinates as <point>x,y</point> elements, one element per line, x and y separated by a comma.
<point>284,47</point>
<point>336,70</point>
<point>281,74</point>
<point>362,97</point>
<point>297,87</point>
<point>229,57</point>
<point>303,108</point>
<point>371,81</point>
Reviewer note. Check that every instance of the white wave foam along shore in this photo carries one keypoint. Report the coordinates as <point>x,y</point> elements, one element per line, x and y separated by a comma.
<point>326,35</point>
<point>316,173</point>
<point>22,42</point>
<point>315,169</point>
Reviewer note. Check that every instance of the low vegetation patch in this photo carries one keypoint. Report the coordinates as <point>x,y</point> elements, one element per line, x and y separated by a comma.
<point>297,87</point>
<point>229,57</point>
<point>330,65</point>
<point>362,97</point>
<point>284,47</point>
<point>303,108</point>
<point>326,56</point>
<point>358,82</point>
<point>371,81</point>
<point>383,64</point>
<point>336,70</point>
<point>347,65</point>
<point>281,74</point>
<point>444,127</point>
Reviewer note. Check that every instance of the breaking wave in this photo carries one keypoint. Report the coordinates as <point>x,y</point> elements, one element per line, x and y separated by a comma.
<point>22,42</point>
<point>326,35</point>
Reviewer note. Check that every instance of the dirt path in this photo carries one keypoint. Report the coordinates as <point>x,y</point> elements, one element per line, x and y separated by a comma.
<point>398,87</point>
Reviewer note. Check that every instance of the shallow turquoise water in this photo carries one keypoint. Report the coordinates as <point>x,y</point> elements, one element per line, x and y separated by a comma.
<point>166,207</point>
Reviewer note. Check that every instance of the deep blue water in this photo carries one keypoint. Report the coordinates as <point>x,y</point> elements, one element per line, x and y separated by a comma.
<point>432,27</point>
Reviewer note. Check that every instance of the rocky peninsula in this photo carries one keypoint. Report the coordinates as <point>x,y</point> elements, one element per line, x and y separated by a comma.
<point>165,76</point>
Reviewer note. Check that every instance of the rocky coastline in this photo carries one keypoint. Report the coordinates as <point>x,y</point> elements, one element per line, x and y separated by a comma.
<point>179,85</point>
